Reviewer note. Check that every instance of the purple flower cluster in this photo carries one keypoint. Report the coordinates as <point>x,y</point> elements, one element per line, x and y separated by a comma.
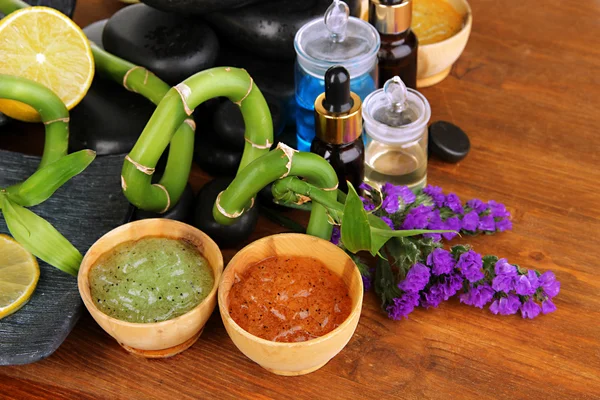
<point>506,287</point>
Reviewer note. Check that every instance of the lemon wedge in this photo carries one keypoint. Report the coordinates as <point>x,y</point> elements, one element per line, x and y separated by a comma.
<point>44,45</point>
<point>19,274</point>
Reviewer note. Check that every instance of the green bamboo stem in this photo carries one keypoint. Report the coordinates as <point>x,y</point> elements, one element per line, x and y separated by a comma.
<point>8,6</point>
<point>173,109</point>
<point>269,168</point>
<point>52,110</point>
<point>296,186</point>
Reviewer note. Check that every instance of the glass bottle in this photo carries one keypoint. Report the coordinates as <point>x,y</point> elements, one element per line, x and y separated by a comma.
<point>338,123</point>
<point>395,121</point>
<point>336,39</point>
<point>398,52</point>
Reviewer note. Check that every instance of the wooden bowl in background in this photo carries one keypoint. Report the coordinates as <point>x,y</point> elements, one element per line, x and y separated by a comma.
<point>159,339</point>
<point>301,357</point>
<point>435,60</point>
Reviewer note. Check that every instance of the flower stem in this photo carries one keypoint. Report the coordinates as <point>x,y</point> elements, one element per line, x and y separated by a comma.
<point>52,110</point>
<point>275,165</point>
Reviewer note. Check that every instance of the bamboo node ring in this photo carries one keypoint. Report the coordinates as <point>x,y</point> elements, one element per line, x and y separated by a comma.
<point>65,120</point>
<point>168,197</point>
<point>267,145</point>
<point>289,153</point>
<point>191,123</point>
<point>235,215</point>
<point>140,167</point>
<point>331,189</point>
<point>123,183</point>
<point>184,92</point>
<point>127,76</point>
<point>239,102</point>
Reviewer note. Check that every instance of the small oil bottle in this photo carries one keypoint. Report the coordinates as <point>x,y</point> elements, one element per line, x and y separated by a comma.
<point>395,121</point>
<point>398,52</point>
<point>338,125</point>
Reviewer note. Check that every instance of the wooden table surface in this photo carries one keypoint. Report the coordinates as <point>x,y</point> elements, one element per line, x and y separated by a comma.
<point>527,91</point>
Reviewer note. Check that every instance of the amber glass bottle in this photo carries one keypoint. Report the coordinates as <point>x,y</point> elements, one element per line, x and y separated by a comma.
<point>398,52</point>
<point>338,123</point>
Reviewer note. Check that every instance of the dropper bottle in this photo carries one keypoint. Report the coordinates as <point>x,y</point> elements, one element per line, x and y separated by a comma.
<point>338,125</point>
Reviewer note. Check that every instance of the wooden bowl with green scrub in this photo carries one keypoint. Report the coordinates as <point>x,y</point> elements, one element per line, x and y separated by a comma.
<point>152,285</point>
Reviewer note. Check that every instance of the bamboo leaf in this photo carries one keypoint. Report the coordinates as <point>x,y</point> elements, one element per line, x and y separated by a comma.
<point>356,234</point>
<point>40,238</point>
<point>44,182</point>
<point>377,241</point>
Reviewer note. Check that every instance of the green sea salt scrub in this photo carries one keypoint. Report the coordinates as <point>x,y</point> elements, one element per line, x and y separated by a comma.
<point>150,280</point>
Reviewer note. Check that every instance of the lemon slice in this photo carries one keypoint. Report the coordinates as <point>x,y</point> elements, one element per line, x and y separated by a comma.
<point>19,274</point>
<point>44,45</point>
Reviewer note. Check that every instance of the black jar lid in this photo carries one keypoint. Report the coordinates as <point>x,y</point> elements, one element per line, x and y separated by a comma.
<point>448,142</point>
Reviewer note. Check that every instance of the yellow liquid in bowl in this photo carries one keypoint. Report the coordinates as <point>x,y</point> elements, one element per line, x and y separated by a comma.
<point>435,20</point>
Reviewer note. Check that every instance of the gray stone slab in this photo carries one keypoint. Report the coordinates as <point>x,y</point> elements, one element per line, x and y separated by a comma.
<point>83,210</point>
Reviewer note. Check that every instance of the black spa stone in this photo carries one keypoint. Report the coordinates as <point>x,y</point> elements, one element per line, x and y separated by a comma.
<point>94,32</point>
<point>172,46</point>
<point>182,211</point>
<point>214,158</point>
<point>198,6</point>
<point>66,7</point>
<point>448,142</point>
<point>268,29</point>
<point>3,120</point>
<point>109,119</point>
<point>229,127</point>
<point>223,235</point>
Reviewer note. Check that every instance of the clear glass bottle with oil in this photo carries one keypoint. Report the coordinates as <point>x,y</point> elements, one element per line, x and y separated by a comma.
<point>395,122</point>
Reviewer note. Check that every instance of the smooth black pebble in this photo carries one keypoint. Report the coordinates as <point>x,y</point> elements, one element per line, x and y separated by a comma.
<point>448,142</point>
<point>198,6</point>
<point>229,126</point>
<point>268,29</point>
<point>94,32</point>
<point>215,158</point>
<point>66,7</point>
<point>224,235</point>
<point>109,119</point>
<point>3,120</point>
<point>182,211</point>
<point>172,46</point>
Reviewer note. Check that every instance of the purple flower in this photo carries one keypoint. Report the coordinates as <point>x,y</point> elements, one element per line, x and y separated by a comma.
<point>416,279</point>
<point>417,218</point>
<point>498,210</point>
<point>336,234</point>
<point>403,306</point>
<point>396,195</point>
<point>436,194</point>
<point>366,282</point>
<point>440,261</point>
<point>435,223</point>
<point>477,205</point>
<point>549,283</point>
<point>530,309</point>
<point>470,221</point>
<point>506,276</point>
<point>477,296</point>
<point>388,221</point>
<point>487,223</point>
<point>365,186</point>
<point>506,305</point>
<point>368,205</point>
<point>503,224</point>
<point>453,203</point>
<point>470,264</point>
<point>526,285</point>
<point>452,224</point>
<point>452,284</point>
<point>548,306</point>
<point>433,297</point>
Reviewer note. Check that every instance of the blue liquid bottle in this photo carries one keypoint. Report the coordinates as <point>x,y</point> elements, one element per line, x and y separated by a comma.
<point>335,39</point>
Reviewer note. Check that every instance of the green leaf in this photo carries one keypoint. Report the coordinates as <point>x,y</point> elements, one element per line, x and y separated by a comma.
<point>384,283</point>
<point>356,234</point>
<point>459,249</point>
<point>404,233</point>
<point>40,238</point>
<point>377,241</point>
<point>45,181</point>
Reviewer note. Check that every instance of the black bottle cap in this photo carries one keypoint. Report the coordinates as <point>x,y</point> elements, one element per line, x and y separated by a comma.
<point>448,142</point>
<point>337,90</point>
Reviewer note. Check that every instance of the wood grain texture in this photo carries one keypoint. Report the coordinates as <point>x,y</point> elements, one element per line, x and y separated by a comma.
<point>526,90</point>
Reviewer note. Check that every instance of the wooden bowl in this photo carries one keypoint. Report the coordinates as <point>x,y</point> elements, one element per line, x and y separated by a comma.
<point>159,339</point>
<point>302,357</point>
<point>435,60</point>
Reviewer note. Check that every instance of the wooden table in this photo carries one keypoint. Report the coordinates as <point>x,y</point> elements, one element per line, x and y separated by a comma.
<point>527,91</point>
